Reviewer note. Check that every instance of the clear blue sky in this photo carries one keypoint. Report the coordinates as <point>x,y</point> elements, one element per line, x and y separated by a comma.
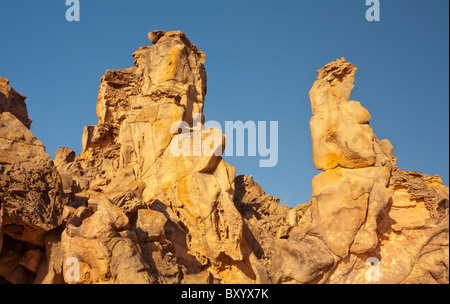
<point>262,58</point>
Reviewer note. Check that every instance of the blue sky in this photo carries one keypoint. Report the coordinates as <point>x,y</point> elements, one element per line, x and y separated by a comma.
<point>262,58</point>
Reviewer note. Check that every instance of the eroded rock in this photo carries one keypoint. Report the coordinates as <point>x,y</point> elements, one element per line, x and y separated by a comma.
<point>129,149</point>
<point>13,102</point>
<point>130,210</point>
<point>365,209</point>
<point>30,185</point>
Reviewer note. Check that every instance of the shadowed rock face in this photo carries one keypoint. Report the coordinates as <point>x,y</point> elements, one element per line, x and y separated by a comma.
<point>130,211</point>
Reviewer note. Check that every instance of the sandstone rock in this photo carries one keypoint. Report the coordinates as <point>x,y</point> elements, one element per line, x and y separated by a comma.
<point>340,132</point>
<point>112,214</point>
<point>203,277</point>
<point>64,159</point>
<point>130,146</point>
<point>104,255</point>
<point>418,190</point>
<point>31,259</point>
<point>412,256</point>
<point>10,257</point>
<point>30,186</point>
<point>363,206</point>
<point>301,261</point>
<point>13,102</point>
<point>155,36</point>
<point>63,156</point>
<point>342,200</point>
<point>297,257</point>
<point>416,225</point>
<point>163,264</point>
<point>352,191</point>
<point>150,225</point>
<point>50,270</point>
<point>126,263</point>
<point>145,203</point>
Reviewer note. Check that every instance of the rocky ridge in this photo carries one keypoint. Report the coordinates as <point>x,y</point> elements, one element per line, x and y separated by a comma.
<point>130,211</point>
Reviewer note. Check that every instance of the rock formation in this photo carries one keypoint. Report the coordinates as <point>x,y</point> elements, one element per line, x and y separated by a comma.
<point>31,196</point>
<point>362,205</point>
<point>13,102</point>
<point>129,210</point>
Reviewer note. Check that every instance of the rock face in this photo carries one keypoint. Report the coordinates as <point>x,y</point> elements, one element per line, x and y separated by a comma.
<point>31,196</point>
<point>134,207</point>
<point>278,239</point>
<point>30,186</point>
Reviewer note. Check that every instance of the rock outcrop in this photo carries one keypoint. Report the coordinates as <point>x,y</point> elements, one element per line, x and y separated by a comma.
<point>31,196</point>
<point>349,195</point>
<point>362,205</point>
<point>150,199</point>
<point>412,236</point>
<point>178,210</point>
<point>13,102</point>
